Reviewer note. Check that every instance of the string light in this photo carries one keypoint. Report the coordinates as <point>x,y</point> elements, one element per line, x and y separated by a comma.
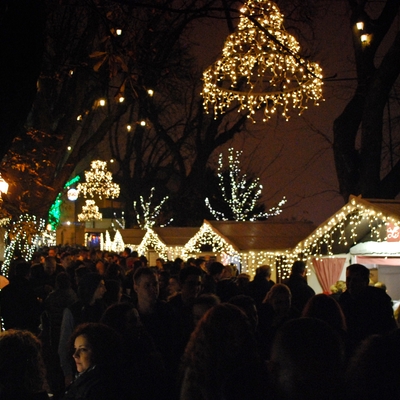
<point>90,212</point>
<point>98,182</point>
<point>148,214</point>
<point>243,193</point>
<point>260,67</point>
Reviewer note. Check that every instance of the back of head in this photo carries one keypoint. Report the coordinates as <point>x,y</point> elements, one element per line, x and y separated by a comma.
<point>298,267</point>
<point>187,271</point>
<point>22,369</point>
<point>374,370</point>
<point>327,309</point>
<point>87,286</point>
<point>62,281</point>
<point>215,268</point>
<point>262,272</point>
<point>307,360</point>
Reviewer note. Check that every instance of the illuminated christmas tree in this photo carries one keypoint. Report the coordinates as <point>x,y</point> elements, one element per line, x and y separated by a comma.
<point>240,193</point>
<point>261,68</point>
<point>90,212</point>
<point>99,182</point>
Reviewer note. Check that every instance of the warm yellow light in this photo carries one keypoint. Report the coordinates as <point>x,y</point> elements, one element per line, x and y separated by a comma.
<point>128,128</point>
<point>79,118</point>
<point>3,185</point>
<point>150,92</point>
<point>118,32</point>
<point>102,102</point>
<point>364,38</point>
<point>143,123</point>
<point>69,148</point>
<point>121,99</point>
<point>260,67</point>
<point>360,25</point>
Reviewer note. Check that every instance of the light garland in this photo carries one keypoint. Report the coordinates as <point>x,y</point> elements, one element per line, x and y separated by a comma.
<point>147,216</point>
<point>99,182</point>
<point>243,192</point>
<point>90,212</point>
<point>319,243</point>
<point>22,235</point>
<point>260,67</point>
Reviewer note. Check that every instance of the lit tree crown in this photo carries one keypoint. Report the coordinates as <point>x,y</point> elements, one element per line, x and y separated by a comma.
<point>260,67</point>
<point>99,182</point>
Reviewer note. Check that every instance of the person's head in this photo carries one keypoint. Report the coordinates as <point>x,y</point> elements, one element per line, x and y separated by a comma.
<point>95,344</point>
<point>50,265</point>
<point>327,309</point>
<point>190,281</point>
<point>216,269</point>
<point>121,317</point>
<point>248,306</point>
<point>101,267</point>
<point>357,278</point>
<point>91,287</point>
<point>263,273</point>
<point>299,268</point>
<point>280,298</point>
<point>22,368</point>
<point>146,286</point>
<point>173,285</point>
<point>222,341</point>
<point>160,263</point>
<point>202,264</point>
<point>374,370</point>
<point>62,281</point>
<point>307,360</point>
<point>202,304</point>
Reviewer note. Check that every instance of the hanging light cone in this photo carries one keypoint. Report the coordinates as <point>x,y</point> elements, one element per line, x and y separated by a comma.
<point>260,67</point>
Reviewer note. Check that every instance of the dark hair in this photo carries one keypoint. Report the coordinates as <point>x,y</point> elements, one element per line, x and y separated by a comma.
<point>359,269</point>
<point>262,272</point>
<point>21,364</point>
<point>298,267</point>
<point>215,268</point>
<point>62,281</point>
<point>104,342</point>
<point>185,272</point>
<point>87,286</point>
<point>142,271</point>
<point>207,299</point>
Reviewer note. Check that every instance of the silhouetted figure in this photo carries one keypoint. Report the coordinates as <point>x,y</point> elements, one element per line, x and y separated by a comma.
<point>368,310</point>
<point>20,308</point>
<point>261,284</point>
<point>298,286</point>
<point>221,360</point>
<point>307,361</point>
<point>22,371</point>
<point>374,371</point>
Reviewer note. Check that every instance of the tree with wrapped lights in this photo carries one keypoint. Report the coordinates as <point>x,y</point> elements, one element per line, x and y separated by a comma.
<point>240,193</point>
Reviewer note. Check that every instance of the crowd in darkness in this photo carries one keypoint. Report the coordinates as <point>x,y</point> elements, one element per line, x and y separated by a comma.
<point>97,325</point>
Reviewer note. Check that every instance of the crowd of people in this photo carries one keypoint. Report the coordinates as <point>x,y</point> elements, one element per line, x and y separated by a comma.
<point>88,325</point>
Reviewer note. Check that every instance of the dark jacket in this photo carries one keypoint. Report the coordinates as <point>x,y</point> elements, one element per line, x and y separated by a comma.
<point>300,290</point>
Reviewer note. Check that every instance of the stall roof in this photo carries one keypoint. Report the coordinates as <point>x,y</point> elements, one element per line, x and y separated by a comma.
<point>270,235</point>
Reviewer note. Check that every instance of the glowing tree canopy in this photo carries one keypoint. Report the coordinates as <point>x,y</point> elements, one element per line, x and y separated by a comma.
<point>147,215</point>
<point>240,193</point>
<point>98,182</point>
<point>260,67</point>
<point>90,212</point>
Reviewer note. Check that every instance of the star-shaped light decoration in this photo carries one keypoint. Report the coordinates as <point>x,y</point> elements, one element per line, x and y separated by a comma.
<point>261,68</point>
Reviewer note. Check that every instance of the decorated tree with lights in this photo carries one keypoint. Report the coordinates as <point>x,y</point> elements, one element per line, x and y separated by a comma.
<point>240,193</point>
<point>147,213</point>
<point>261,68</point>
<point>90,212</point>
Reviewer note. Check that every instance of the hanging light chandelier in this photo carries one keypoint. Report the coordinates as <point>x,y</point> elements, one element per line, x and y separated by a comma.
<point>261,68</point>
